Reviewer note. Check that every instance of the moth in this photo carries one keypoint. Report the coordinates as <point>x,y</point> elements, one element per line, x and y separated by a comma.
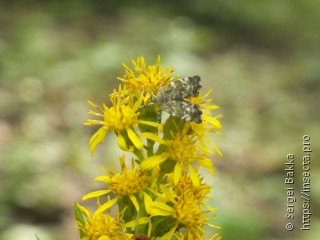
<point>171,98</point>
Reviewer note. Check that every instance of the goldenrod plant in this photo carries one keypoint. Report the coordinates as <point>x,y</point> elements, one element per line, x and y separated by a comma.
<point>159,193</point>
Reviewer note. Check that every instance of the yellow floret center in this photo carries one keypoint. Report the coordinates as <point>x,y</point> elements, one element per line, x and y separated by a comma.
<point>121,117</point>
<point>127,183</point>
<point>187,212</point>
<point>147,79</point>
<point>185,185</point>
<point>182,149</point>
<point>102,225</point>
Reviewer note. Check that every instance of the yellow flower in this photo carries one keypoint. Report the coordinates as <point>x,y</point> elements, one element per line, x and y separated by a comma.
<point>166,186</point>
<point>186,184</point>
<point>146,80</point>
<point>209,123</point>
<point>122,118</point>
<point>99,226</point>
<point>126,183</point>
<point>181,148</point>
<point>184,209</point>
<point>193,185</point>
<point>180,236</point>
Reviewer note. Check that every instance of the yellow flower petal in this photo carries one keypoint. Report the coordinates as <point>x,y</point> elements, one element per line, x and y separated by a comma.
<point>213,226</point>
<point>149,123</point>
<point>176,173</point>
<point>153,161</point>
<point>92,104</point>
<point>168,194</point>
<point>136,222</point>
<point>147,201</point>
<point>161,209</point>
<point>105,179</point>
<point>212,107</point>
<point>214,121</point>
<point>214,146</point>
<point>137,104</point>
<point>107,205</point>
<point>135,202</point>
<point>153,137</point>
<point>96,138</point>
<point>95,194</point>
<point>122,143</point>
<point>207,163</point>
<point>134,138</point>
<point>194,176</point>
<point>169,234</point>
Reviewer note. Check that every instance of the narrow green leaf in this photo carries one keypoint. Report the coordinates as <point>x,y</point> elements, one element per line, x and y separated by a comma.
<point>79,217</point>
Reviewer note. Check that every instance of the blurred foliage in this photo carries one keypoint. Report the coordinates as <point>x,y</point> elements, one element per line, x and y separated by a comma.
<point>260,57</point>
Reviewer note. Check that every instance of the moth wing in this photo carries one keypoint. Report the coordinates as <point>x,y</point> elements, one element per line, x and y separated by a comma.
<point>179,89</point>
<point>184,110</point>
<point>186,87</point>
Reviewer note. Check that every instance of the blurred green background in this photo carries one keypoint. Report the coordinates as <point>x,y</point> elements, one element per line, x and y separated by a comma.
<point>260,57</point>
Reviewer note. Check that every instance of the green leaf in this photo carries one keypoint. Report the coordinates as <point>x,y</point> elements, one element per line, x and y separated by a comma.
<point>130,212</point>
<point>149,113</point>
<point>142,228</point>
<point>161,225</point>
<point>174,125</point>
<point>79,217</point>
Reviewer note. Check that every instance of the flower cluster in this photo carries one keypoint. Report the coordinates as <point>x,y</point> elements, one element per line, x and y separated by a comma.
<point>162,195</point>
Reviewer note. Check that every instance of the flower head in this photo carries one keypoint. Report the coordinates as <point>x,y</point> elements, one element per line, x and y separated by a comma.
<point>184,209</point>
<point>209,123</point>
<point>199,190</point>
<point>183,149</point>
<point>127,183</point>
<point>145,80</point>
<point>98,226</point>
<point>180,236</point>
<point>122,118</point>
